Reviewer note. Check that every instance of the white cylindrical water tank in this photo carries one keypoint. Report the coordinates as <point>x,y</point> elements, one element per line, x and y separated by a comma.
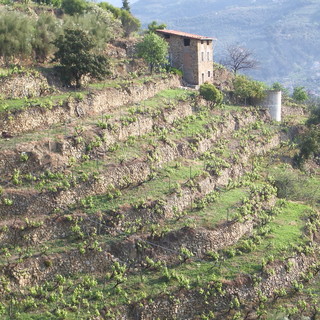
<point>273,103</point>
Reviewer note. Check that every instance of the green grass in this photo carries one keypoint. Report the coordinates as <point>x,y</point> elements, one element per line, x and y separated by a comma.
<point>222,209</point>
<point>7,105</point>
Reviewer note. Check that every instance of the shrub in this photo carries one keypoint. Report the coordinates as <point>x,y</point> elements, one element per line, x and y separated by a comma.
<point>247,90</point>
<point>299,94</point>
<point>211,94</point>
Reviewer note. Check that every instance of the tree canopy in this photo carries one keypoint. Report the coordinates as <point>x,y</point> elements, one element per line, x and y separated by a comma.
<point>16,31</point>
<point>211,94</point>
<point>75,55</point>
<point>154,50</point>
<point>74,6</point>
<point>247,90</point>
<point>125,5</point>
<point>299,94</point>
<point>153,26</point>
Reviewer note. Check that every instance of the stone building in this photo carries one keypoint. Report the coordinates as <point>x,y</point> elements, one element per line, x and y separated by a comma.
<point>192,54</point>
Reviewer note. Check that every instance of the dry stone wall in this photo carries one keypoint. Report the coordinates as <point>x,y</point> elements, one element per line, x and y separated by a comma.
<point>23,85</point>
<point>98,102</point>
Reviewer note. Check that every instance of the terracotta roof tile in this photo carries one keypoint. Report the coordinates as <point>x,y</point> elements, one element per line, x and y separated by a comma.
<point>184,34</point>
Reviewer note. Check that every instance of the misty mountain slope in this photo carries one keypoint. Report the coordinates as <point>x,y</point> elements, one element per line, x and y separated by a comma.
<point>284,34</point>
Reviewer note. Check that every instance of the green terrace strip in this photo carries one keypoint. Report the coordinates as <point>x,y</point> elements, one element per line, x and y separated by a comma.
<point>277,238</point>
<point>120,287</point>
<point>119,152</point>
<point>53,100</point>
<point>164,98</point>
<point>165,181</point>
<point>43,102</point>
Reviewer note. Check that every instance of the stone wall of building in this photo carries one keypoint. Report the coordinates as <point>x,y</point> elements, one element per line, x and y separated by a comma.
<point>184,57</point>
<point>205,61</point>
<point>194,57</point>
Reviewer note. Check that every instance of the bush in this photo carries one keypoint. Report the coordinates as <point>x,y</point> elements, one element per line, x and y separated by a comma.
<point>211,94</point>
<point>247,90</point>
<point>73,7</point>
<point>175,71</point>
<point>299,94</point>
<point>16,31</point>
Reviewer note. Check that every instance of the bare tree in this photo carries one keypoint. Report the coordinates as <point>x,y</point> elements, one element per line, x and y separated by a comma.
<point>239,58</point>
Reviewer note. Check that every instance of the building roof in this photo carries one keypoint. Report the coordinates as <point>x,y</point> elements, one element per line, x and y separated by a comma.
<point>184,34</point>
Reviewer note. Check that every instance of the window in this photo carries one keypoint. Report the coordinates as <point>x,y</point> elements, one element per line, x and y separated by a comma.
<point>201,41</point>
<point>208,42</point>
<point>186,42</point>
<point>202,78</point>
<point>208,56</point>
<point>209,74</point>
<point>202,56</point>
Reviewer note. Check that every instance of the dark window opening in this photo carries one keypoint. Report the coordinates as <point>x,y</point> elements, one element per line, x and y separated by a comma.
<point>186,42</point>
<point>167,36</point>
<point>208,42</point>
<point>209,73</point>
<point>201,41</point>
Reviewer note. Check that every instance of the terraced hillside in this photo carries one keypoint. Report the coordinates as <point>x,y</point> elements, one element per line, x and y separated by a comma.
<point>138,201</point>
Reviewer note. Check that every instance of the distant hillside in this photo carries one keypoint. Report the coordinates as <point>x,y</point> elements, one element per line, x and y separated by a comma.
<point>284,34</point>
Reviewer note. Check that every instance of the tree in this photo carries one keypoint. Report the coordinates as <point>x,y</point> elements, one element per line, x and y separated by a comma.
<point>299,94</point>
<point>16,31</point>
<point>239,58</point>
<point>210,93</point>
<point>75,55</point>
<point>154,50</point>
<point>46,29</point>
<point>125,5</point>
<point>153,26</point>
<point>129,23</point>
<point>247,90</point>
<point>73,7</point>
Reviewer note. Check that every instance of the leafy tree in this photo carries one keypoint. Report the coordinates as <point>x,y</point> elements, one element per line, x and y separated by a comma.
<point>125,5</point>
<point>310,144</point>
<point>309,141</point>
<point>239,58</point>
<point>247,90</point>
<point>210,93</point>
<point>129,23</point>
<point>279,87</point>
<point>299,94</point>
<point>154,50</point>
<point>16,30</point>
<point>153,26</point>
<point>75,55</point>
<point>99,24</point>
<point>109,7</point>
<point>46,29</point>
<point>73,7</point>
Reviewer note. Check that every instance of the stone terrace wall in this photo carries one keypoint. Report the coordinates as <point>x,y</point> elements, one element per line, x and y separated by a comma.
<point>94,103</point>
<point>26,84</point>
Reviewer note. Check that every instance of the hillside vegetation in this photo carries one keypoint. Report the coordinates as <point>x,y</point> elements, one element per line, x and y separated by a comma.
<point>132,197</point>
